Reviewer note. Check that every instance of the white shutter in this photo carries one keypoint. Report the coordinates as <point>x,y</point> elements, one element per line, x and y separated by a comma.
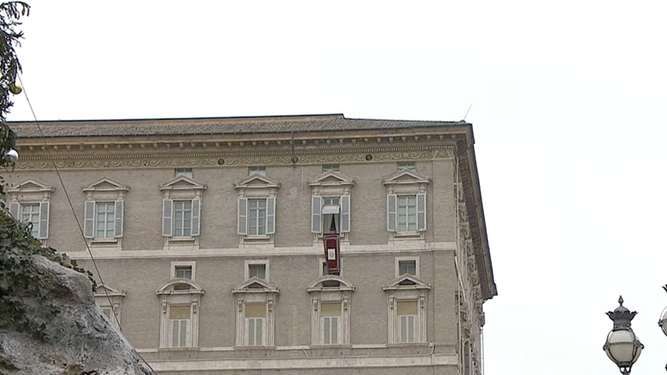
<point>344,213</point>
<point>43,220</point>
<point>316,217</point>
<point>119,213</point>
<point>167,213</point>
<point>196,207</point>
<point>14,210</point>
<point>243,216</point>
<point>391,212</point>
<point>89,219</point>
<point>421,212</point>
<point>270,215</point>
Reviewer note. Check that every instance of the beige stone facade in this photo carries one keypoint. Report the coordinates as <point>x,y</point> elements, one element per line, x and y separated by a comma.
<point>207,237</point>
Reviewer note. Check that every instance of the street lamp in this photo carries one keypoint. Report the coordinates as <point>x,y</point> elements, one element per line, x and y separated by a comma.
<point>622,346</point>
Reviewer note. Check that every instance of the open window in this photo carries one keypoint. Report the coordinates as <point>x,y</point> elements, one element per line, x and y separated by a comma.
<point>330,204</point>
<point>330,316</point>
<point>30,202</point>
<point>181,211</point>
<point>406,204</point>
<point>406,306</point>
<point>256,209</point>
<point>255,312</point>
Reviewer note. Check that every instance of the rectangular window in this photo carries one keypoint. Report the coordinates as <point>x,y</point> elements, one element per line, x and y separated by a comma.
<point>406,215</point>
<point>330,168</point>
<point>30,215</point>
<point>179,319</point>
<point>407,267</point>
<point>406,317</point>
<point>406,165</point>
<point>182,218</point>
<point>256,216</point>
<point>330,323</point>
<point>187,172</point>
<point>257,170</point>
<point>255,316</point>
<point>257,270</point>
<point>183,272</point>
<point>105,216</point>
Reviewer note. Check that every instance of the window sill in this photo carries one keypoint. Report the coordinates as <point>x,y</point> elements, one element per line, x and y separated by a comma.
<point>179,349</point>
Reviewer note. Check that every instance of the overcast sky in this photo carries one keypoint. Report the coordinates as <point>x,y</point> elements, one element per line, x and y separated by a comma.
<point>568,106</point>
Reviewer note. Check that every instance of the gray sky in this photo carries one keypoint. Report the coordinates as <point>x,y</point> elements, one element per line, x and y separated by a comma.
<point>568,107</point>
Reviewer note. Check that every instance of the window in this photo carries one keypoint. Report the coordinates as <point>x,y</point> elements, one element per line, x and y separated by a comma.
<point>183,272</point>
<point>29,202</point>
<point>257,170</point>
<point>179,320</point>
<point>330,168</point>
<point>330,319</point>
<point>103,220</point>
<point>407,267</point>
<point>406,203</point>
<point>406,313</point>
<point>187,172</point>
<point>255,312</point>
<point>30,214</point>
<point>255,316</point>
<point>257,270</point>
<point>181,211</point>
<point>330,204</point>
<point>406,166</point>
<point>256,220</point>
<point>179,316</point>
<point>104,212</point>
<point>110,300</point>
<point>406,297</point>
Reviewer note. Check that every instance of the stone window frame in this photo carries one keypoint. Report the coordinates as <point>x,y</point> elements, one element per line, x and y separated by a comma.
<point>170,294</point>
<point>111,298</point>
<point>397,261</point>
<point>181,188</point>
<point>319,293</point>
<point>407,288</point>
<point>32,191</point>
<point>335,185</point>
<point>406,183</point>
<point>104,190</point>
<point>255,291</point>
<point>256,186</point>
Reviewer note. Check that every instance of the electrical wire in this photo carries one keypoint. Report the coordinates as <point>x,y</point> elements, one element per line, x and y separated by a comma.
<point>76,218</point>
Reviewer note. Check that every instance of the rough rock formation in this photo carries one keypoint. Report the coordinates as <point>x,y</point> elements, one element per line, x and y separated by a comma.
<point>81,341</point>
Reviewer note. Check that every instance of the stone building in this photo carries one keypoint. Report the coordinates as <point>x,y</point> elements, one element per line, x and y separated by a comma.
<point>207,235</point>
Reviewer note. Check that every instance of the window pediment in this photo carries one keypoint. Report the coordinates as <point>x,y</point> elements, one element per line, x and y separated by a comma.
<point>31,185</point>
<point>182,183</point>
<point>320,284</point>
<point>406,282</point>
<point>106,184</point>
<point>102,290</point>
<point>256,285</point>
<point>331,179</point>
<point>168,288</point>
<point>256,181</point>
<point>406,178</point>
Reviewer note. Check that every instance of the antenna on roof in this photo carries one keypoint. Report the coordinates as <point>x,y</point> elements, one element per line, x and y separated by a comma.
<point>468,111</point>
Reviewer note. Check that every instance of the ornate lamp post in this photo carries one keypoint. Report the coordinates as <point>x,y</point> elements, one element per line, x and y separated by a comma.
<point>623,346</point>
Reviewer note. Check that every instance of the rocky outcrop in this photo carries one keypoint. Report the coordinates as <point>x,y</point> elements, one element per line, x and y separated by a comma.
<point>80,340</point>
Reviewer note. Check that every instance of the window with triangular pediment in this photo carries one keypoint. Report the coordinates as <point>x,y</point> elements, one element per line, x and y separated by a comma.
<point>181,211</point>
<point>29,202</point>
<point>256,214</point>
